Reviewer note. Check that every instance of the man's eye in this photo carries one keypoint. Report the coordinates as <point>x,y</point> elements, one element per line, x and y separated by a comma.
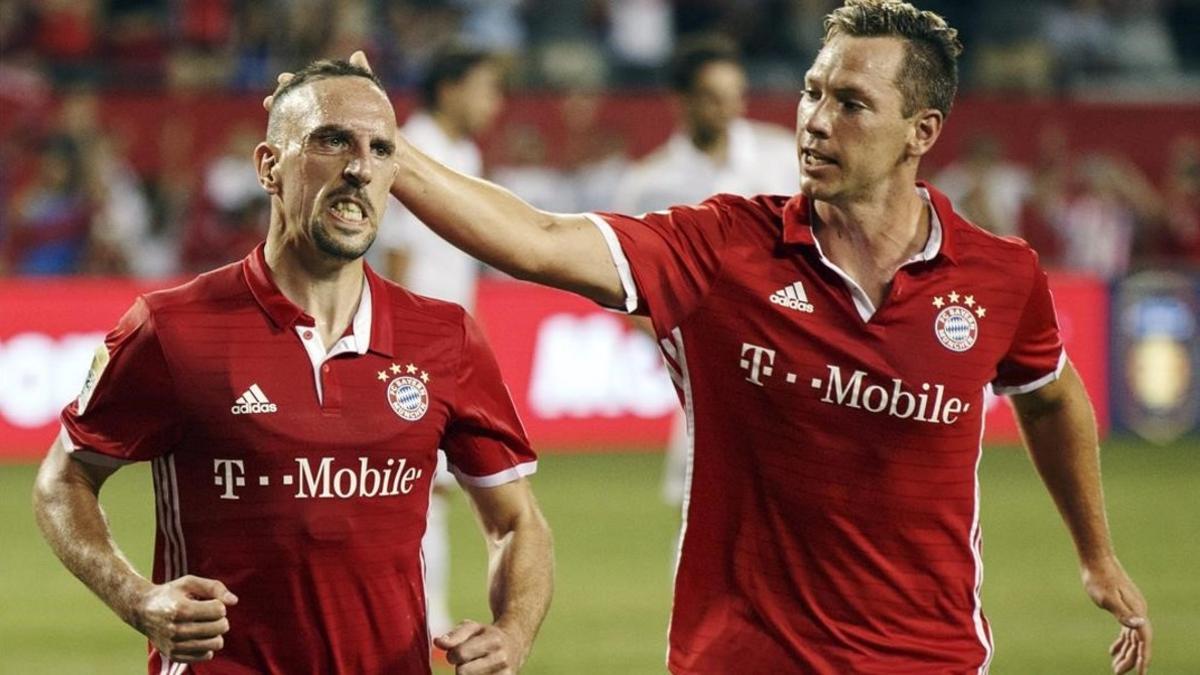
<point>812,94</point>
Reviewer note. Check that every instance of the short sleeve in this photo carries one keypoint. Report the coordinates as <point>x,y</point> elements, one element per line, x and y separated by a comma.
<point>671,257</point>
<point>127,410</point>
<point>1036,356</point>
<point>485,442</point>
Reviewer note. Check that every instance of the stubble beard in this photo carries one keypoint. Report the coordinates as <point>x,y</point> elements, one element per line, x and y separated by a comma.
<point>337,248</point>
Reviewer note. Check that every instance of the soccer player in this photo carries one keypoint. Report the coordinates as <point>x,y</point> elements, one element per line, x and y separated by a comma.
<point>831,350</point>
<point>292,405</point>
<point>461,93</point>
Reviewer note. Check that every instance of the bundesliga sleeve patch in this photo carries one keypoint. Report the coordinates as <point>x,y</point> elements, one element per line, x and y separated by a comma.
<point>957,325</point>
<point>99,363</point>
<point>407,392</point>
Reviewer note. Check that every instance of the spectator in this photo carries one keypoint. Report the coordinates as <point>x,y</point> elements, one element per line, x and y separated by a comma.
<point>50,217</point>
<point>1182,201</point>
<point>527,172</point>
<point>990,191</point>
<point>230,217</point>
<point>1101,225</point>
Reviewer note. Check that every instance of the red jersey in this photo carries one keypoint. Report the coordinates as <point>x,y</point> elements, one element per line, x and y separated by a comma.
<point>831,523</point>
<point>297,477</point>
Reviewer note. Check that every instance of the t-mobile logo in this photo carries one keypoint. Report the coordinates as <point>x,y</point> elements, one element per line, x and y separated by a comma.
<point>226,478</point>
<point>752,360</point>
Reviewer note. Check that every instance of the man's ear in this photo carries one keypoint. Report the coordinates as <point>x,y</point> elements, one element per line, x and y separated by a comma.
<point>926,128</point>
<point>266,161</point>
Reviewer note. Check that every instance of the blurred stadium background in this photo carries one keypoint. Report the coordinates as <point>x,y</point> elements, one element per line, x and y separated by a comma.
<point>125,135</point>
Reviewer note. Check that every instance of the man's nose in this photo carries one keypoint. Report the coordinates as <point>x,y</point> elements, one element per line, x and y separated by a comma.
<point>816,118</point>
<point>358,169</point>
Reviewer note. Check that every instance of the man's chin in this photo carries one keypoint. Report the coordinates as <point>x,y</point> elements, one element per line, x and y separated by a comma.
<point>342,247</point>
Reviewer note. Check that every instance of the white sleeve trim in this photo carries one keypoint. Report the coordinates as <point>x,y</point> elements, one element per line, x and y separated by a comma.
<point>506,476</point>
<point>1036,384</point>
<point>619,260</point>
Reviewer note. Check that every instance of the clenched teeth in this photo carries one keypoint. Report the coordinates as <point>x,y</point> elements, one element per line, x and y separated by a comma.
<point>347,210</point>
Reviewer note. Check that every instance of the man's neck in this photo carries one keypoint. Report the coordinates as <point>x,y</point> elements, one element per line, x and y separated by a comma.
<point>326,289</point>
<point>870,239</point>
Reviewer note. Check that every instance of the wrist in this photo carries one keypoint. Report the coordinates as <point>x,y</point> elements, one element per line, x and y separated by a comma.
<point>520,637</point>
<point>133,600</point>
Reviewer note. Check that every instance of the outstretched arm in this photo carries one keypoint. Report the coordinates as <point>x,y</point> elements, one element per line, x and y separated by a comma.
<point>492,224</point>
<point>520,582</point>
<point>184,618</point>
<point>497,227</point>
<point>1060,432</point>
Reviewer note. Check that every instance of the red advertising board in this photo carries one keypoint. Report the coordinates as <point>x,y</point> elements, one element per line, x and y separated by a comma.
<point>583,378</point>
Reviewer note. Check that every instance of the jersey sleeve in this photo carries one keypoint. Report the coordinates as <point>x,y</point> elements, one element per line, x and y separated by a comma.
<point>1036,356</point>
<point>667,259</point>
<point>127,410</point>
<point>485,442</point>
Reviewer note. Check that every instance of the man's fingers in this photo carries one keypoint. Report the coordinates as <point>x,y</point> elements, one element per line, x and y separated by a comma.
<point>201,588</point>
<point>458,635</point>
<point>198,647</point>
<point>1125,658</point>
<point>203,630</point>
<point>192,658</point>
<point>359,59</point>
<point>199,611</point>
<point>493,664</point>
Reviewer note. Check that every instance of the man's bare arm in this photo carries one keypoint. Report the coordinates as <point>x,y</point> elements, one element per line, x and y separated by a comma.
<point>1060,431</point>
<point>497,227</point>
<point>492,224</point>
<point>520,582</point>
<point>184,618</point>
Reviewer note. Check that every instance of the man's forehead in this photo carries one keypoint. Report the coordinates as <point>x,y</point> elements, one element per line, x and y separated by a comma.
<point>351,102</point>
<point>864,61</point>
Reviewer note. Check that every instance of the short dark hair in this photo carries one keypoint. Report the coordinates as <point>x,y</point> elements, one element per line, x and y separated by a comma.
<point>928,77</point>
<point>696,53</point>
<point>317,70</point>
<point>448,65</point>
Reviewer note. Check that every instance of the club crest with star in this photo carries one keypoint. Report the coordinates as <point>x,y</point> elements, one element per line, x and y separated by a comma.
<point>406,392</point>
<point>957,324</point>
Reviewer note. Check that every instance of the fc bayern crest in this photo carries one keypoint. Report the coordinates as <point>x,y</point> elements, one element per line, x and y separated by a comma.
<point>409,397</point>
<point>956,328</point>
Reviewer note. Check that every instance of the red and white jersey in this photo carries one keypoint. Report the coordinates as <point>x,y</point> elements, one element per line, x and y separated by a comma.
<point>298,477</point>
<point>831,523</point>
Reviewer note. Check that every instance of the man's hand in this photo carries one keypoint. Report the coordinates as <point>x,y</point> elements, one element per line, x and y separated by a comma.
<point>358,58</point>
<point>1111,588</point>
<point>473,649</point>
<point>185,618</point>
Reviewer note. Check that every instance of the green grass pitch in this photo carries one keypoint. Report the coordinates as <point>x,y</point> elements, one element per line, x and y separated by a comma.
<point>614,545</point>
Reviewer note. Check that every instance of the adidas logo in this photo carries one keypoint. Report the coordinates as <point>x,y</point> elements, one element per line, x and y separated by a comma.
<point>252,402</point>
<point>794,297</point>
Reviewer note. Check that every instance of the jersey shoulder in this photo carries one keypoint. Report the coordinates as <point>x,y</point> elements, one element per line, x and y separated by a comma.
<point>409,306</point>
<point>980,247</point>
<point>746,209</point>
<point>222,288</point>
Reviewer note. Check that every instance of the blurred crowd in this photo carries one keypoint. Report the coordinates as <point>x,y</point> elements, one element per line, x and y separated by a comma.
<point>73,201</point>
<point>1030,45</point>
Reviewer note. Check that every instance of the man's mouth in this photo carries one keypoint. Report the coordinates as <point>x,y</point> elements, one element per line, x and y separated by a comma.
<point>810,157</point>
<point>348,210</point>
